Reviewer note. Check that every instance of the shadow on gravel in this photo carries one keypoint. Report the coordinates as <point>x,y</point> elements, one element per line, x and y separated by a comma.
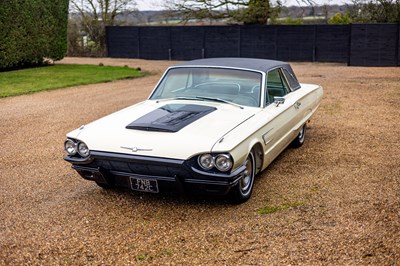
<point>156,200</point>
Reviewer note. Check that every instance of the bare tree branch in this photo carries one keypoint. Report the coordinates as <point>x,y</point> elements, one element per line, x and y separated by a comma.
<point>97,14</point>
<point>242,11</point>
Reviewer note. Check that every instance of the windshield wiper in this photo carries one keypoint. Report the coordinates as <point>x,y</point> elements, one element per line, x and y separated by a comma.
<point>218,100</point>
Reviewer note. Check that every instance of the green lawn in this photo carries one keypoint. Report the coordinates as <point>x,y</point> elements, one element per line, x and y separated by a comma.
<point>59,76</point>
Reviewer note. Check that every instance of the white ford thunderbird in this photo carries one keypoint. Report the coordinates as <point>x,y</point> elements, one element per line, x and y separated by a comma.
<point>210,125</point>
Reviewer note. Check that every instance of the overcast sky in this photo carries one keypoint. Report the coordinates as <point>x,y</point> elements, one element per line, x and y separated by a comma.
<point>158,4</point>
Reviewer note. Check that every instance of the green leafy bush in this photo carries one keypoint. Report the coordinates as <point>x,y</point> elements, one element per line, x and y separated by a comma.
<point>339,18</point>
<point>31,31</point>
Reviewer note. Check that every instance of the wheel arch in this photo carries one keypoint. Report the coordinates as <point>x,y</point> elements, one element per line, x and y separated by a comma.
<point>258,156</point>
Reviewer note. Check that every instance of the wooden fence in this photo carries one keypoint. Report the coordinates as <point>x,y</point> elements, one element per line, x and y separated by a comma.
<point>354,44</point>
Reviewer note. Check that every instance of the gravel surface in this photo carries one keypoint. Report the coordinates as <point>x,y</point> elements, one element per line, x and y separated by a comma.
<point>334,201</point>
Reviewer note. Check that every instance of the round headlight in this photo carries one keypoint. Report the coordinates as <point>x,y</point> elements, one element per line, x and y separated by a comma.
<point>83,149</point>
<point>223,162</point>
<point>206,161</point>
<point>70,147</point>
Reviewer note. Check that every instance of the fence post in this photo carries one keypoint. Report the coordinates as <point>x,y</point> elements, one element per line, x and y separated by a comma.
<point>276,42</point>
<point>397,44</point>
<point>203,50</point>
<point>107,45</point>
<point>240,41</point>
<point>314,55</point>
<point>138,47</point>
<point>349,48</point>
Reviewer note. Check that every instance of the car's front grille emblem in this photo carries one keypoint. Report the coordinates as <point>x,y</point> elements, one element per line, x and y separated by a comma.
<point>135,149</point>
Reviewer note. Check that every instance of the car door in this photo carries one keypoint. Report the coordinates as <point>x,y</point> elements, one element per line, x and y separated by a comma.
<point>283,108</point>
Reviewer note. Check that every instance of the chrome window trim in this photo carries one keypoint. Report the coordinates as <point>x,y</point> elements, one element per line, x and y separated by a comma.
<point>263,78</point>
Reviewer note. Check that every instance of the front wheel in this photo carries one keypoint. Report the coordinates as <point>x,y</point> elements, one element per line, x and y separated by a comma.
<point>242,191</point>
<point>299,140</point>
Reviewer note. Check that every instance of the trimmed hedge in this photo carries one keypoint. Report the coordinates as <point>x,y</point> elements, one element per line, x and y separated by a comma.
<point>31,30</point>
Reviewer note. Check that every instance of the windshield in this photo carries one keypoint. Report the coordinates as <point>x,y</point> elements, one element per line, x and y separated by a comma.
<point>241,87</point>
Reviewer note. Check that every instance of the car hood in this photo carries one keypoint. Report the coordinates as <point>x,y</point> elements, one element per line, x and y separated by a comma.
<point>175,129</point>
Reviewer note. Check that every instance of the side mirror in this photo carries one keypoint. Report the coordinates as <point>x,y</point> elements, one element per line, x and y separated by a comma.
<point>279,100</point>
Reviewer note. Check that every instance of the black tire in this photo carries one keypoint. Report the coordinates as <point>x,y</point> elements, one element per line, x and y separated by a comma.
<point>299,140</point>
<point>241,192</point>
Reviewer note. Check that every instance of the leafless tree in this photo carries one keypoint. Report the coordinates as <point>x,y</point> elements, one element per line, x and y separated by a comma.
<point>95,15</point>
<point>245,11</point>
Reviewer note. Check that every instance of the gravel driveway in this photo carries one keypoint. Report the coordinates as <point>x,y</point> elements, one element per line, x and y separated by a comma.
<point>335,201</point>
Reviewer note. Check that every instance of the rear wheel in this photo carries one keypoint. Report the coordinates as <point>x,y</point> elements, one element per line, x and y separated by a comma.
<point>242,191</point>
<point>299,140</point>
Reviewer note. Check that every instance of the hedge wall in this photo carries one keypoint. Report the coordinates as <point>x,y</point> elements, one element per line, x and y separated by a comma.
<point>31,30</point>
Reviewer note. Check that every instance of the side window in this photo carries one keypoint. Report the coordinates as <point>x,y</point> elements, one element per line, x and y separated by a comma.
<point>276,85</point>
<point>294,84</point>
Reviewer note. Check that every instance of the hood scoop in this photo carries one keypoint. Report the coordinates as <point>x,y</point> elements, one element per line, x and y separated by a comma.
<point>170,117</point>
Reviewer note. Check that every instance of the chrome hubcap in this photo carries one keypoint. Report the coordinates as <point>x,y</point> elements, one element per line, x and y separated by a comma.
<point>246,181</point>
<point>301,134</point>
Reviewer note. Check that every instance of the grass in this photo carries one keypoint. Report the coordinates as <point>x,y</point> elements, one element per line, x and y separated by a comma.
<point>141,257</point>
<point>290,204</point>
<point>272,209</point>
<point>31,80</point>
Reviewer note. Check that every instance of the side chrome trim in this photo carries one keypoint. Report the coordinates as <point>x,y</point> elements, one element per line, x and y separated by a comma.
<point>265,138</point>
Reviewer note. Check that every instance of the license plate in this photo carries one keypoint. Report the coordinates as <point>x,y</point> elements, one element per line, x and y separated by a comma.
<point>144,185</point>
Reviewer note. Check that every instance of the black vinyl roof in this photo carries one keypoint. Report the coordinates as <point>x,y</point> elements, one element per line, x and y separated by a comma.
<point>263,65</point>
